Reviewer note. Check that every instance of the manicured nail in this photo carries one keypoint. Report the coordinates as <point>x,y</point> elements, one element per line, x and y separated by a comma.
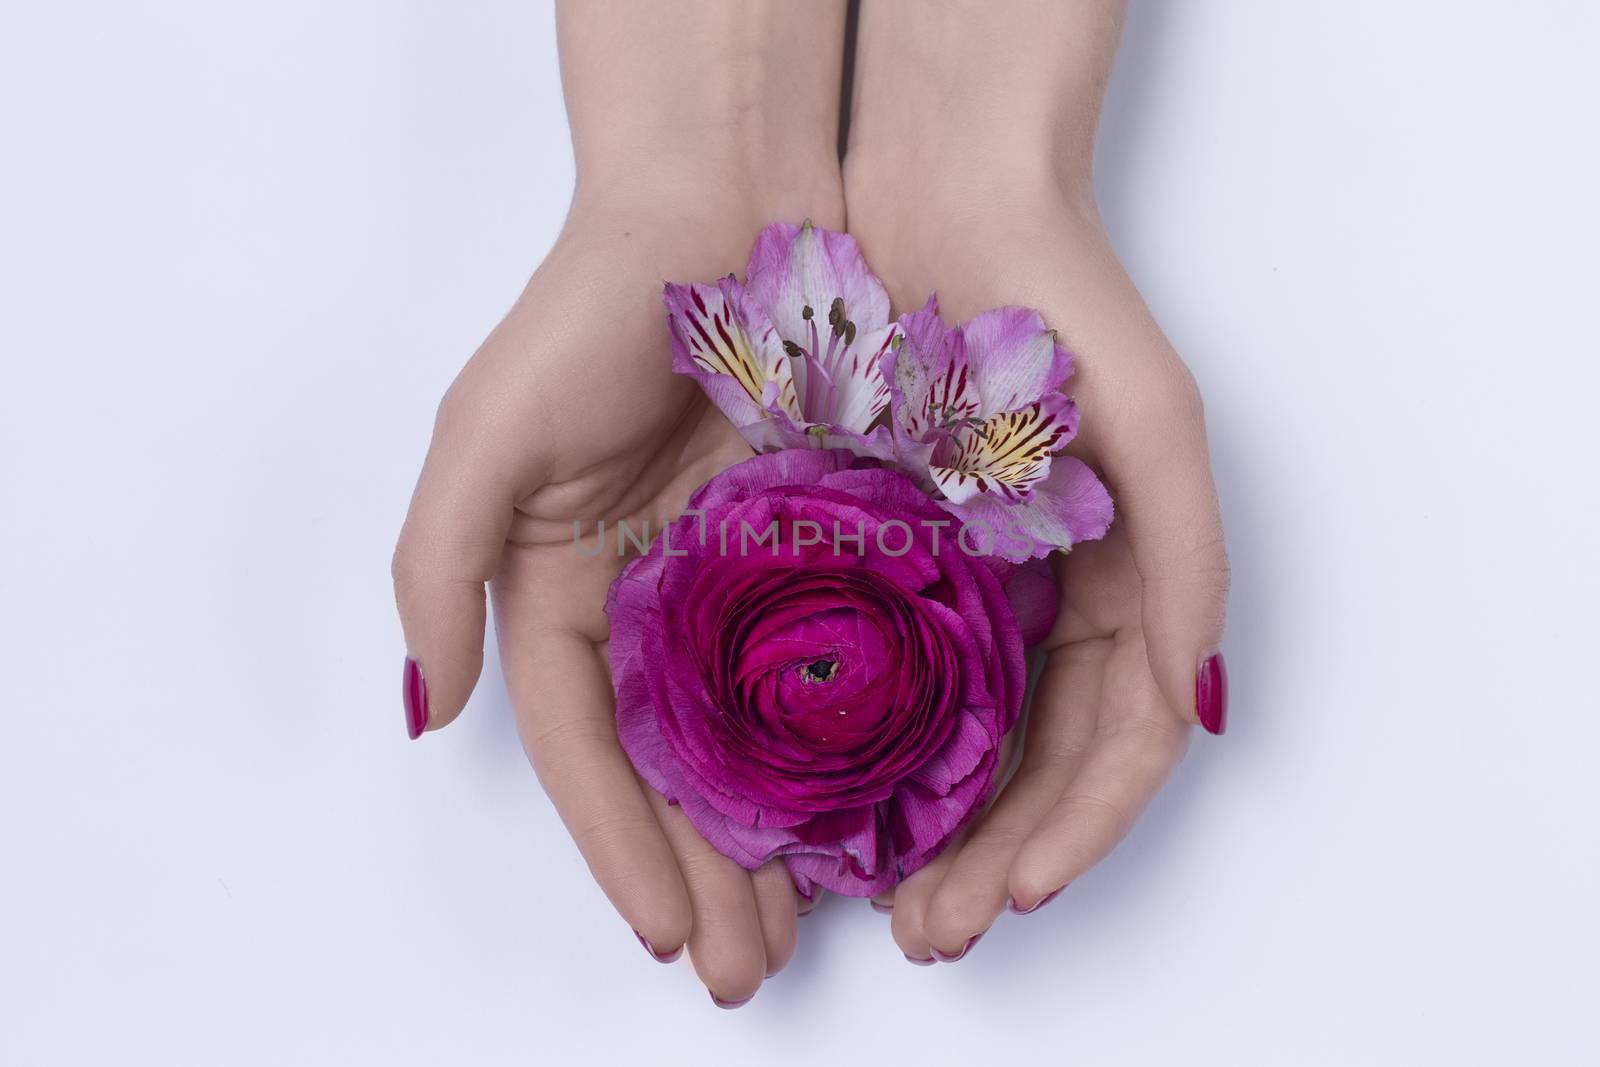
<point>414,690</point>
<point>886,909</point>
<point>731,1004</point>
<point>1211,694</point>
<point>658,956</point>
<point>1011,903</point>
<point>929,962</point>
<point>942,958</point>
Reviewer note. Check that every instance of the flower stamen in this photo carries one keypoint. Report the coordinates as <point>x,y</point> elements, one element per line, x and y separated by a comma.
<point>820,671</point>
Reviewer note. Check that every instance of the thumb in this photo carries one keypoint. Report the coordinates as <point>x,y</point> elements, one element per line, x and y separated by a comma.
<point>1161,467</point>
<point>451,544</point>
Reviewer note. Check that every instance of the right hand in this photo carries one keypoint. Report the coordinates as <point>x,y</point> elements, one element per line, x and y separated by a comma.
<point>570,411</point>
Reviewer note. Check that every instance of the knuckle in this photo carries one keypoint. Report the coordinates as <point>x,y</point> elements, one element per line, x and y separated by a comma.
<point>704,868</point>
<point>613,837</point>
<point>568,745</point>
<point>1194,554</point>
<point>996,839</point>
<point>1095,810</point>
<point>405,569</point>
<point>1165,397</point>
<point>1051,753</point>
<point>1183,395</point>
<point>422,559</point>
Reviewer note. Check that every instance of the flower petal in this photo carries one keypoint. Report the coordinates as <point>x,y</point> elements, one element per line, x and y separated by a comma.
<point>1067,507</point>
<point>1006,454</point>
<point>930,384</point>
<point>1033,594</point>
<point>724,340</point>
<point>1015,359</point>
<point>832,316</point>
<point>852,391</point>
<point>797,267</point>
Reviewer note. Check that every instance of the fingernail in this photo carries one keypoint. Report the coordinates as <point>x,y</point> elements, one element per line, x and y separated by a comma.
<point>1211,694</point>
<point>886,909</point>
<point>942,958</point>
<point>658,956</point>
<point>414,690</point>
<point>1011,903</point>
<point>929,962</point>
<point>731,1004</point>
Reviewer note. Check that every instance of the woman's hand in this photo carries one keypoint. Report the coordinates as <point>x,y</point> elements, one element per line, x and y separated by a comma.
<point>986,195</point>
<point>1129,662</point>
<point>570,413</point>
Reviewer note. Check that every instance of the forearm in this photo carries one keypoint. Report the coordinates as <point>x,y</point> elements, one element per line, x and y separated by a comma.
<point>729,101</point>
<point>969,91</point>
<point>970,172</point>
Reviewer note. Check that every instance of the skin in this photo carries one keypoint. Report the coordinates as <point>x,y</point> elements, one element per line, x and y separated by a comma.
<point>569,411</point>
<point>969,171</point>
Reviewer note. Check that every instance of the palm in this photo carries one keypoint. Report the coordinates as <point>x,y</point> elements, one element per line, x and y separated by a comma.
<point>575,395</point>
<point>1101,737</point>
<point>596,428</point>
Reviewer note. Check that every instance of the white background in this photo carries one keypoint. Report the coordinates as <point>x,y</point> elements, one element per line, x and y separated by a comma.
<point>243,249</point>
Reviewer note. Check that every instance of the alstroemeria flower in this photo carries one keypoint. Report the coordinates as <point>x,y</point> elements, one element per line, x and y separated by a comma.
<point>979,417</point>
<point>791,355</point>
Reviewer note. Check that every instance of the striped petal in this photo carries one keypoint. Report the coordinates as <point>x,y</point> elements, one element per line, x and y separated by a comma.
<point>1069,506</point>
<point>843,386</point>
<point>1005,454</point>
<point>832,316</point>
<point>724,339</point>
<point>930,382</point>
<point>1015,360</point>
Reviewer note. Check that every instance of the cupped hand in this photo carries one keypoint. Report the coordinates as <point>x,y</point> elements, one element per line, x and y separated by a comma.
<point>570,413</point>
<point>1133,660</point>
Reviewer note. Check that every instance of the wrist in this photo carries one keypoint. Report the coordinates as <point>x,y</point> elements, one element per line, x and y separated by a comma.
<point>963,102</point>
<point>923,229</point>
<point>727,187</point>
<point>706,107</point>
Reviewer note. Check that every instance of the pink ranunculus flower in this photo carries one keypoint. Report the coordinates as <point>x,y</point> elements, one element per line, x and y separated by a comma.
<point>837,701</point>
<point>791,355</point>
<point>979,417</point>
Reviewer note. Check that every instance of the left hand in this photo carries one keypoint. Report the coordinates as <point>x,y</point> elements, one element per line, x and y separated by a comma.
<point>1129,664</point>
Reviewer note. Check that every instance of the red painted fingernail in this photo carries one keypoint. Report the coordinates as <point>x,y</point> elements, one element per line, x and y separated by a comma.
<point>885,909</point>
<point>1011,903</point>
<point>929,962</point>
<point>1211,694</point>
<point>414,691</point>
<point>657,955</point>
<point>942,958</point>
<point>731,1004</point>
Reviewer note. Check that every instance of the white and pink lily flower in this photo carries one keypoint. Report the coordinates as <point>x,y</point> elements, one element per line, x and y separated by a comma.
<point>979,416</point>
<point>791,355</point>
